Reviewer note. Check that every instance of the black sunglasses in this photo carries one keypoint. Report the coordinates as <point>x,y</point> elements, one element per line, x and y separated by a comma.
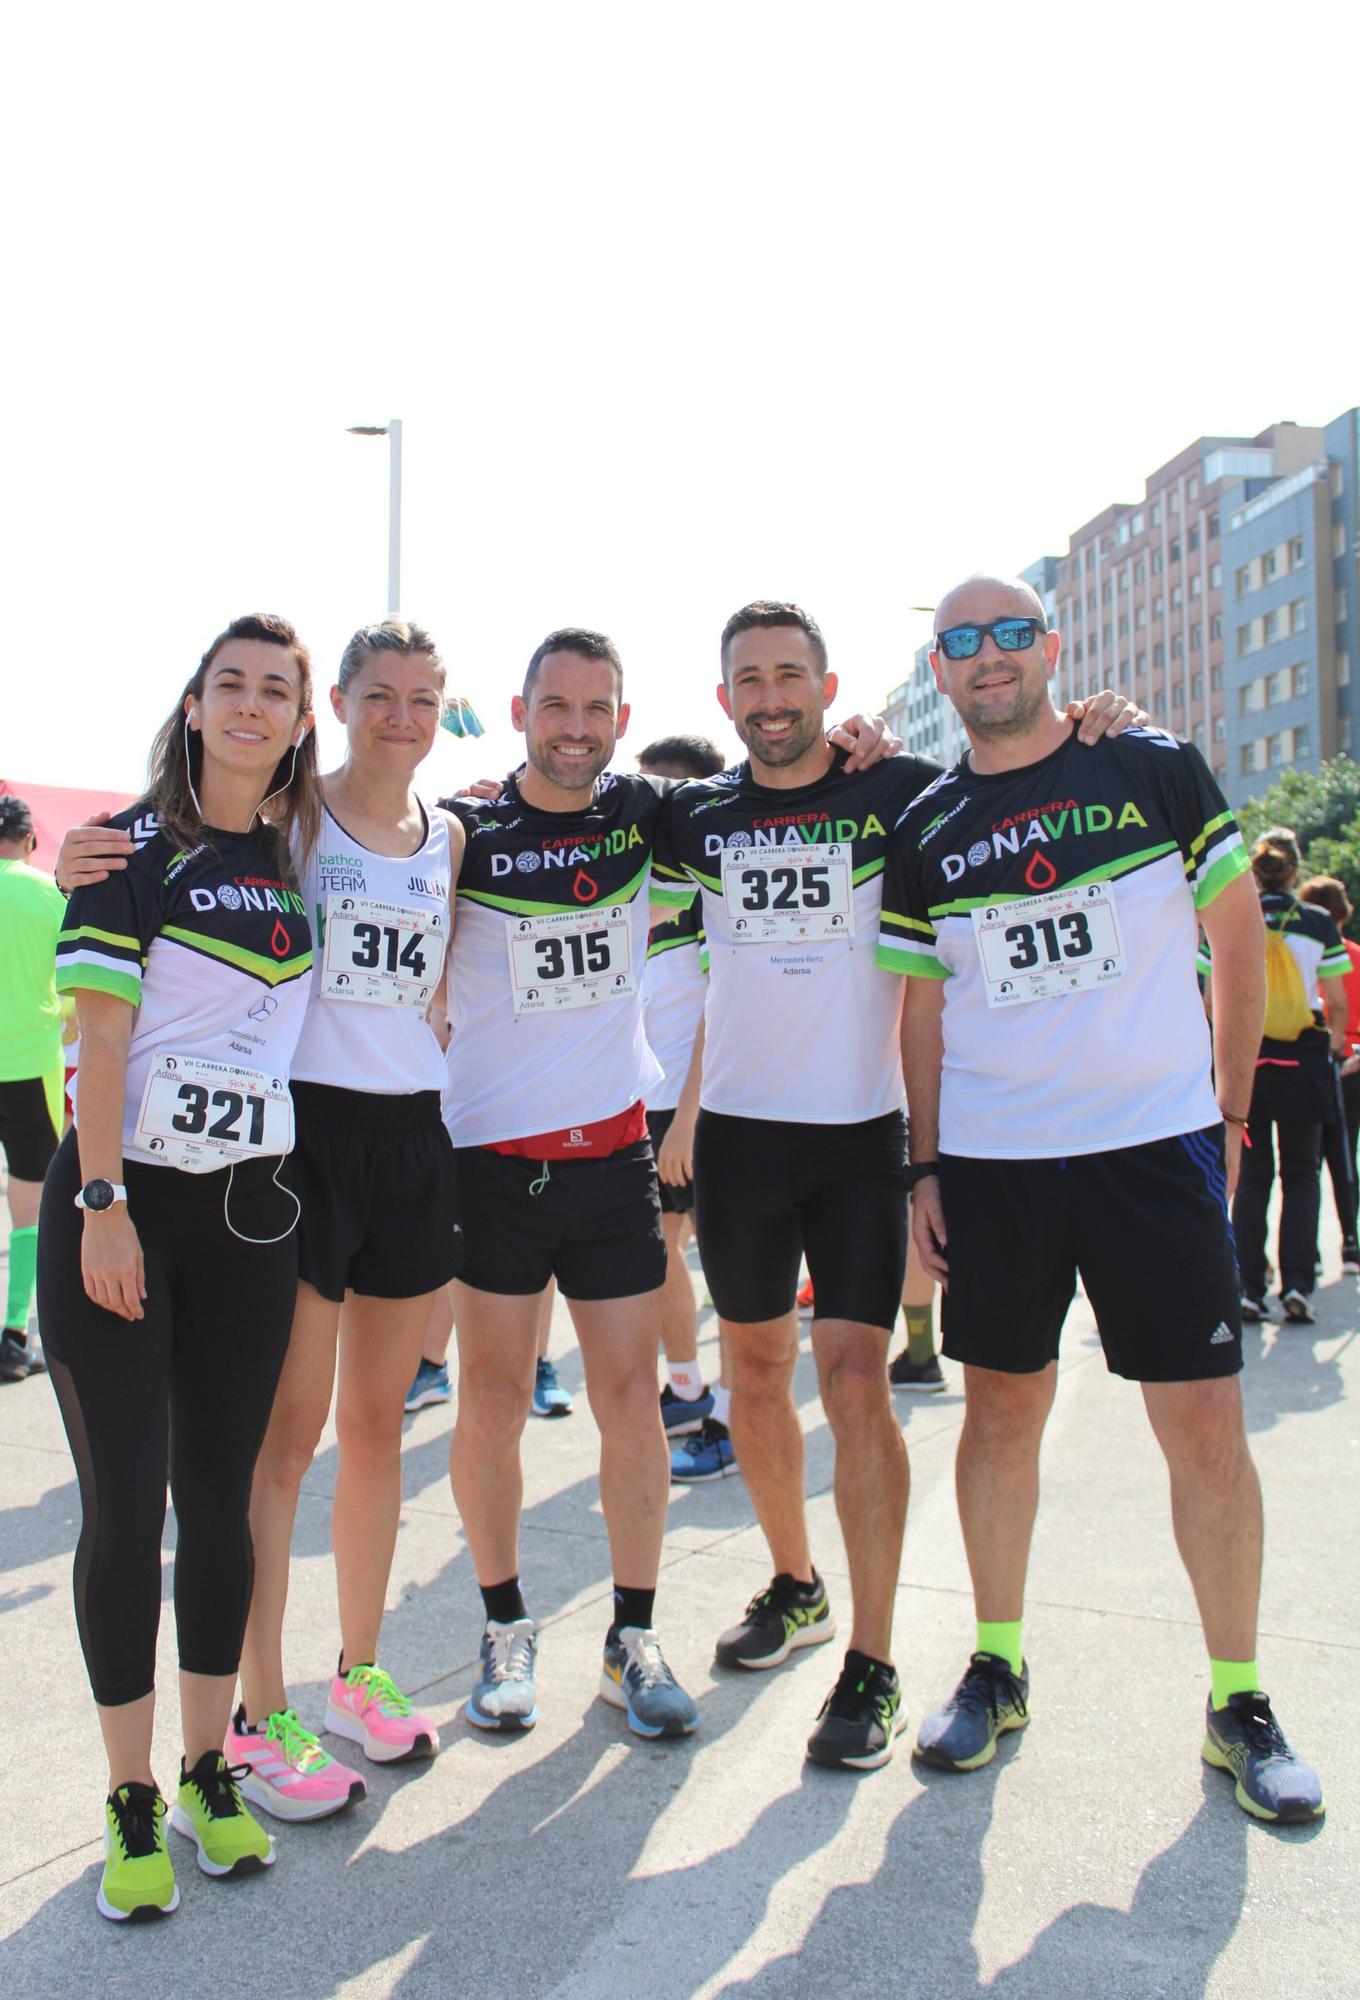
<point>1012,635</point>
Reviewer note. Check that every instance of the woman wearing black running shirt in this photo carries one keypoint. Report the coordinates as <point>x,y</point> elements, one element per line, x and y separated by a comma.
<point>168,1258</point>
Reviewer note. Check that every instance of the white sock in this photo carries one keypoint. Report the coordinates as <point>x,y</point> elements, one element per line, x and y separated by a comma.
<point>722,1404</point>
<point>686,1381</point>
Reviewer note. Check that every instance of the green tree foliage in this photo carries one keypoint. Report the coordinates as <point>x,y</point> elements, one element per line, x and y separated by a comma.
<point>1322,808</point>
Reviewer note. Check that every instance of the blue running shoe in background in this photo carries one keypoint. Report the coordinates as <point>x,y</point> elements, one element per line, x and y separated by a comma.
<point>550,1399</point>
<point>430,1386</point>
<point>709,1455</point>
<point>679,1416</point>
<point>636,1678</point>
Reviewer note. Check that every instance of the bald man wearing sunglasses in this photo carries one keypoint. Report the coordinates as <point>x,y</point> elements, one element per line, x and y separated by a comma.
<point>1043,903</point>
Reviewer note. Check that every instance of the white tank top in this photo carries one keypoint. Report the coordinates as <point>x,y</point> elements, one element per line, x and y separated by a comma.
<point>388,920</point>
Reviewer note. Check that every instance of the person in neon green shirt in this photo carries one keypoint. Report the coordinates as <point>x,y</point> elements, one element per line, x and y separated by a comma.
<point>32,909</point>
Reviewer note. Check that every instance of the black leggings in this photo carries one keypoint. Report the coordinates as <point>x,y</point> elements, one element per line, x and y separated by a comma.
<point>187,1390</point>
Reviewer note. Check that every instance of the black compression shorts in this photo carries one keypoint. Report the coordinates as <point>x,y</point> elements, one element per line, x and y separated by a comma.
<point>674,1200</point>
<point>379,1190</point>
<point>594,1225</point>
<point>26,1132</point>
<point>768,1192</point>
<point>1146,1229</point>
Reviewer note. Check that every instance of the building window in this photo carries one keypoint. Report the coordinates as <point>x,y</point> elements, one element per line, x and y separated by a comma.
<point>1277,688</point>
<point>1339,606</point>
<point>1196,584</point>
<point>1156,513</point>
<point>1158,656</point>
<point>1192,541</point>
<point>1156,562</point>
<point>1201,736</point>
<point>1339,539</point>
<point>1216,679</point>
<point>1077,653</point>
<point>1270,627</point>
<point>1140,617</point>
<point>1216,577</point>
<point>1124,625</point>
<point>1251,696</point>
<point>1174,552</point>
<point>1220,729</point>
<point>1178,696</point>
<point>1176,598</point>
<point>1338,479</point>
<point>1105,591</point>
<point>1177,647</point>
<point>1243,640</point>
<point>1247,758</point>
<point>1303,746</point>
<point>1277,749</point>
<point>1346,734</point>
<point>1299,681</point>
<point>1298,615</point>
<point>1173,504</point>
<point>1140,666</point>
<point>1213,527</point>
<point>1268,565</point>
<point>1297,553</point>
<point>1157,606</point>
<point>1196,638</point>
<point>1216,625</point>
<point>1091,602</point>
<point>1140,572</point>
<point>1343,669</point>
<point>1243,580</point>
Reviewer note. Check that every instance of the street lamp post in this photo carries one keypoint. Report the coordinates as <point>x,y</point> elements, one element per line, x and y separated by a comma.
<point>392,432</point>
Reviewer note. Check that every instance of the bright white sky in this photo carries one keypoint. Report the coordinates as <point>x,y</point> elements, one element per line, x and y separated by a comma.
<point>680,307</point>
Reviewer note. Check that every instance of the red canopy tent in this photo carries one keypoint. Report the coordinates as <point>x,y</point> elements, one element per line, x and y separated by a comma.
<point>55,807</point>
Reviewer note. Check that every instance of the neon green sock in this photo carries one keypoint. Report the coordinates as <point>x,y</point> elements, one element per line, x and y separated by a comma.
<point>23,1273</point>
<point>1232,1677</point>
<point>1002,1637</point>
<point>920,1333</point>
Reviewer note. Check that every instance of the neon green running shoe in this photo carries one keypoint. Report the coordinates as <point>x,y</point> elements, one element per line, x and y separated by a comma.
<point>209,1812</point>
<point>138,1881</point>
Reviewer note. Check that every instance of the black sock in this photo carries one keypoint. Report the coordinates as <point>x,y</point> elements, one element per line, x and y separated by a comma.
<point>860,1664</point>
<point>633,1607</point>
<point>504,1601</point>
<point>807,1591</point>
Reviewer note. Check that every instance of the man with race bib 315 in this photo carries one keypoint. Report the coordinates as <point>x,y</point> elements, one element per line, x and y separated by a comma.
<point>1043,904</point>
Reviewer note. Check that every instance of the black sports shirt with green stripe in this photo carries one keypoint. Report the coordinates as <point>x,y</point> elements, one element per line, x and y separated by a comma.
<point>1059,904</point>
<point>800,1024</point>
<point>210,947</point>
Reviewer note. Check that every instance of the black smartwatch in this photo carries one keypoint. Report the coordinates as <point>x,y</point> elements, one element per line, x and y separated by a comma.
<point>920,1170</point>
<point>98,1195</point>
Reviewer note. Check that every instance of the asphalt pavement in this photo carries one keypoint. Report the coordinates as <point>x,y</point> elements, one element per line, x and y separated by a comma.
<point>1096,1857</point>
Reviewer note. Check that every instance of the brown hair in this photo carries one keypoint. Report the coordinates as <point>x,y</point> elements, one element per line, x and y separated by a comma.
<point>392,635</point>
<point>765,615</point>
<point>295,812</point>
<point>1276,860</point>
<point>1330,895</point>
<point>575,639</point>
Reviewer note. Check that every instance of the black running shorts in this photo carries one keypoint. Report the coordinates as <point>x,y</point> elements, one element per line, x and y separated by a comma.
<point>379,1190</point>
<point>594,1225</point>
<point>1146,1229</point>
<point>768,1192</point>
<point>26,1131</point>
<point>674,1200</point>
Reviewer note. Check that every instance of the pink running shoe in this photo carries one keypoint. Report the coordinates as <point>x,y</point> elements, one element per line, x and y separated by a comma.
<point>288,1773</point>
<point>367,1706</point>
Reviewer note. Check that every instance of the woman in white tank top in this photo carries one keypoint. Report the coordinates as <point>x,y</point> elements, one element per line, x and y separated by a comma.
<point>379,1236</point>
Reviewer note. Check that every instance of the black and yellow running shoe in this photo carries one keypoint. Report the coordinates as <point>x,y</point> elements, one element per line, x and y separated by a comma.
<point>860,1718</point>
<point>990,1699</point>
<point>1272,1782</point>
<point>778,1620</point>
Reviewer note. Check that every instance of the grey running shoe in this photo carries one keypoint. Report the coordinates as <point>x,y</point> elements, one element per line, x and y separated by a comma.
<point>778,1620</point>
<point>636,1678</point>
<point>989,1699</point>
<point>1272,1783</point>
<point>550,1399</point>
<point>505,1696</point>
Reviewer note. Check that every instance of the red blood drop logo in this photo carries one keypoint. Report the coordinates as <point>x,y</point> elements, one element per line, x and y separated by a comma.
<point>583,888</point>
<point>1041,874</point>
<point>280,943</point>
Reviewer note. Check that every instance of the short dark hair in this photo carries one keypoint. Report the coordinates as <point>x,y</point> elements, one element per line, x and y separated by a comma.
<point>692,754</point>
<point>1324,890</point>
<point>16,821</point>
<point>763,615</point>
<point>576,639</point>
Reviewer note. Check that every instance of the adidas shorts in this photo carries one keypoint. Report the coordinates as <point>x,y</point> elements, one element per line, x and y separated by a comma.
<point>1146,1230</point>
